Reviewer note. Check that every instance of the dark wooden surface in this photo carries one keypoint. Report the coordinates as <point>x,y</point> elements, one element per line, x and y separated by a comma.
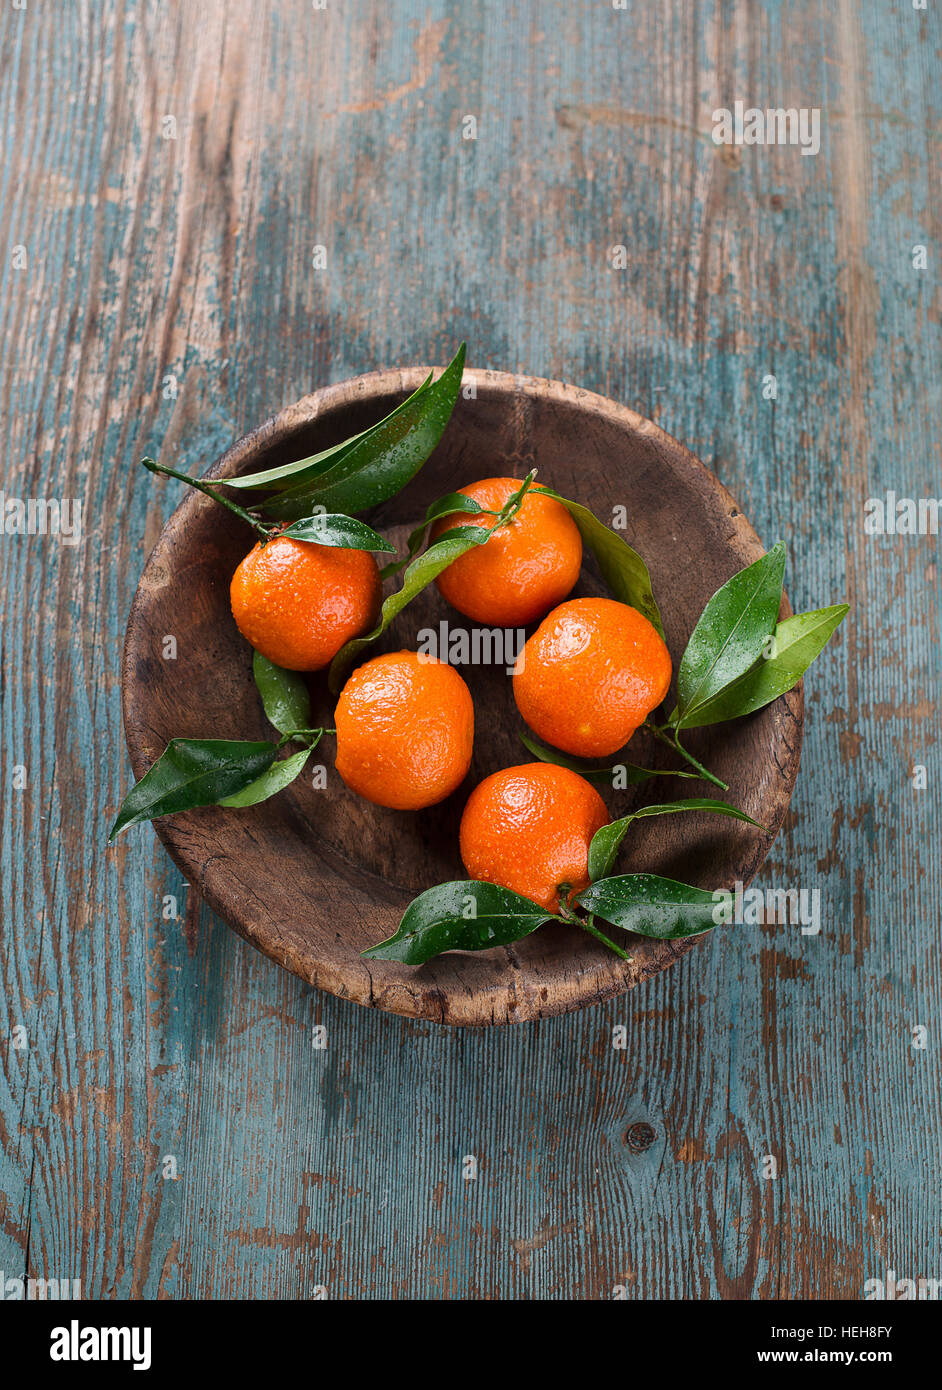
<point>169,1129</point>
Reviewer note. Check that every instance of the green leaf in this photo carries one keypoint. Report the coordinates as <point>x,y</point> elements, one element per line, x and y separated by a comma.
<point>631,773</point>
<point>290,474</point>
<point>651,906</point>
<point>420,573</point>
<point>444,506</point>
<point>381,463</point>
<point>285,697</point>
<point>273,779</point>
<point>622,568</point>
<point>192,772</point>
<point>798,640</point>
<point>730,633</point>
<point>333,528</point>
<point>606,842</point>
<point>449,505</point>
<point>462,916</point>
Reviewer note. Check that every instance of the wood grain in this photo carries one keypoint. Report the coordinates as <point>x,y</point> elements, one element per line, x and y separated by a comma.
<point>317,875</point>
<point>149,258</point>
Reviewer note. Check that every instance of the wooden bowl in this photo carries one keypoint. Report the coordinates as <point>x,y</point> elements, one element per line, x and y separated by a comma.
<point>312,877</point>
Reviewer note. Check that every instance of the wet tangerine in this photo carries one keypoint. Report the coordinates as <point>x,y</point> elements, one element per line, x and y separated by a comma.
<point>297,603</point>
<point>590,675</point>
<point>405,730</point>
<point>529,565</point>
<point>529,828</point>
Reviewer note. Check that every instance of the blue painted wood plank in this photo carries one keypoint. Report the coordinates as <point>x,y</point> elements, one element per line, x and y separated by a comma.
<point>169,1129</point>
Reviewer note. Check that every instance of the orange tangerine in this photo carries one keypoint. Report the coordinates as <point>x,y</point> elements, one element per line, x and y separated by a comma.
<point>529,828</point>
<point>590,675</point>
<point>298,603</point>
<point>405,731</point>
<point>524,569</point>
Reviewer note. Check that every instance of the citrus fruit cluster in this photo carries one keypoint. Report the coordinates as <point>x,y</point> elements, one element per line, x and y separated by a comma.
<point>536,839</point>
<point>585,681</point>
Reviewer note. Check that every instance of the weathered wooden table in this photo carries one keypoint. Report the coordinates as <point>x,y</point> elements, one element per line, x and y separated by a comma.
<point>167,1127</point>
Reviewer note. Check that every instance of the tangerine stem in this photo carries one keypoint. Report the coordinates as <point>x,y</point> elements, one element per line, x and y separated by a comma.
<point>679,748</point>
<point>513,504</point>
<point>313,736</point>
<point>589,926</point>
<point>259,527</point>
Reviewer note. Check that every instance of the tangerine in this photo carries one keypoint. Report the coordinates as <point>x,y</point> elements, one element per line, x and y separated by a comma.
<point>297,603</point>
<point>405,730</point>
<point>529,828</point>
<point>524,569</point>
<point>590,675</point>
